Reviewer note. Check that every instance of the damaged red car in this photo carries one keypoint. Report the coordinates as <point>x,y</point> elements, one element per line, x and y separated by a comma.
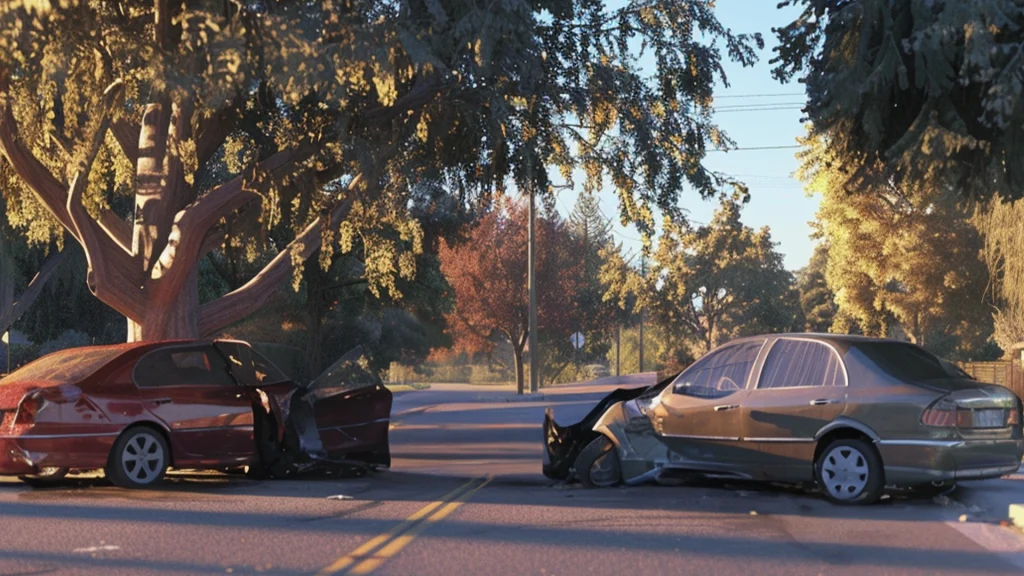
<point>133,410</point>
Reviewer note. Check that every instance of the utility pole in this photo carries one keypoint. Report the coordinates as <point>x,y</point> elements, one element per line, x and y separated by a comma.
<point>532,282</point>
<point>643,271</point>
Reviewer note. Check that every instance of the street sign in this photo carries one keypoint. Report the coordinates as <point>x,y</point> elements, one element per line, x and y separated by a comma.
<point>577,340</point>
<point>5,338</point>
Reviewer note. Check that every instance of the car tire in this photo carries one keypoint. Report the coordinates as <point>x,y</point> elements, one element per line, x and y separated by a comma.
<point>850,472</point>
<point>598,464</point>
<point>46,477</point>
<point>139,458</point>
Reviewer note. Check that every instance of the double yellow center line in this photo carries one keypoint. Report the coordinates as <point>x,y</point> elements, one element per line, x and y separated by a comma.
<point>372,554</point>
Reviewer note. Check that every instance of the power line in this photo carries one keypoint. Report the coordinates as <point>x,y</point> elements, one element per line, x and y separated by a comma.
<point>779,95</point>
<point>756,148</point>
<point>767,104</point>
<point>767,109</point>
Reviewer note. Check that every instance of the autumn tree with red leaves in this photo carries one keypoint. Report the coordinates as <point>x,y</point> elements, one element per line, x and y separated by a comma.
<point>488,276</point>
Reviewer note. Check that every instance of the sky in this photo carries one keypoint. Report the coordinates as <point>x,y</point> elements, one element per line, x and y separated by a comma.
<point>777,200</point>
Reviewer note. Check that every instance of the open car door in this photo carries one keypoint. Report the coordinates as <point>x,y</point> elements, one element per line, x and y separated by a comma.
<point>352,409</point>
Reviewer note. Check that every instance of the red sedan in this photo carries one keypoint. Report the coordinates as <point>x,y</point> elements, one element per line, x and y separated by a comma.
<point>133,410</point>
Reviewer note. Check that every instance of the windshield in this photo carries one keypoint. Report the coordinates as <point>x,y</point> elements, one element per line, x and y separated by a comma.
<point>904,361</point>
<point>65,366</point>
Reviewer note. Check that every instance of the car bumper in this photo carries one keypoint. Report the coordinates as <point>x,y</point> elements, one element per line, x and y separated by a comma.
<point>921,461</point>
<point>25,454</point>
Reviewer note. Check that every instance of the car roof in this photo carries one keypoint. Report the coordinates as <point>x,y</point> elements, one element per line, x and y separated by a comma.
<point>151,344</point>
<point>819,336</point>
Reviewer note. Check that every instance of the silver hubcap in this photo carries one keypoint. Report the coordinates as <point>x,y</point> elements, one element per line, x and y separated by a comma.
<point>142,458</point>
<point>845,473</point>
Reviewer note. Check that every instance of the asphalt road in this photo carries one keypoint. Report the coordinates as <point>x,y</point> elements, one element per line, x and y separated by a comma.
<point>465,496</point>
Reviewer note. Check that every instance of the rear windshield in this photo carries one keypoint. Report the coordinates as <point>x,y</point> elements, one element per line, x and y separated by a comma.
<point>65,366</point>
<point>903,361</point>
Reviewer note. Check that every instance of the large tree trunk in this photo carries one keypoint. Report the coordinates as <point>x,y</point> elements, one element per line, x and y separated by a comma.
<point>148,270</point>
<point>170,317</point>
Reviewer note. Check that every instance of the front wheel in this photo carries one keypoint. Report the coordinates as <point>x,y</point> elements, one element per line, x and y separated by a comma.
<point>138,459</point>
<point>598,464</point>
<point>850,472</point>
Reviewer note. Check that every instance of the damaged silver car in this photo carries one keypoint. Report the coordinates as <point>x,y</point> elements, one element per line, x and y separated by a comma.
<point>854,416</point>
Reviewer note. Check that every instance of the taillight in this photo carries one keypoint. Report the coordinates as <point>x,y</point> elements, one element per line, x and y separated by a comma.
<point>946,413</point>
<point>1015,414</point>
<point>942,414</point>
<point>28,408</point>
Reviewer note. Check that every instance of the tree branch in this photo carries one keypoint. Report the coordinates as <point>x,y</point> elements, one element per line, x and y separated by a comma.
<point>189,233</point>
<point>33,290</point>
<point>51,191</point>
<point>110,267</point>
<point>127,136</point>
<point>212,134</point>
<point>238,304</point>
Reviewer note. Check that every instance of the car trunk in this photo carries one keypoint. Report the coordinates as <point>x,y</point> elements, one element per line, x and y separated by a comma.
<point>993,406</point>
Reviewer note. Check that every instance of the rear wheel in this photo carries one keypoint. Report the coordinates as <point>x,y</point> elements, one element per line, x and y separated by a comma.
<point>138,459</point>
<point>598,464</point>
<point>46,476</point>
<point>850,472</point>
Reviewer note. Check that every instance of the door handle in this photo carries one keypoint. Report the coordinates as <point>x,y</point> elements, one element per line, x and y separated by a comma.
<point>725,407</point>
<point>239,395</point>
<point>159,401</point>
<point>823,402</point>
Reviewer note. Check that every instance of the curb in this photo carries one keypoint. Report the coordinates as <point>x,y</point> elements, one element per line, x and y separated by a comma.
<point>1017,515</point>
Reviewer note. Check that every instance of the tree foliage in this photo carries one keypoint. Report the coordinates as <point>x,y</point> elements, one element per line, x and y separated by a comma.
<point>900,253</point>
<point>931,90</point>
<point>816,299</point>
<point>153,132</point>
<point>999,223</point>
<point>593,233</point>
<point>710,283</point>
<point>488,277</point>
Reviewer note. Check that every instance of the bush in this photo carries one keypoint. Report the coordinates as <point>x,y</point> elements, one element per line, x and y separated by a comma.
<point>21,354</point>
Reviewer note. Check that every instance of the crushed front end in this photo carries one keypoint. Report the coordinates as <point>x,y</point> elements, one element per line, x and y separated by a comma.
<point>563,444</point>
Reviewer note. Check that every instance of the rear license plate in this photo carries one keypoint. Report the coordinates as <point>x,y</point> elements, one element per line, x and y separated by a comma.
<point>991,418</point>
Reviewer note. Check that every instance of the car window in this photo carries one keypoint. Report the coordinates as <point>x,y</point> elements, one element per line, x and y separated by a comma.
<point>904,361</point>
<point>720,373</point>
<point>249,366</point>
<point>349,372</point>
<point>64,366</point>
<point>178,366</point>
<point>801,364</point>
